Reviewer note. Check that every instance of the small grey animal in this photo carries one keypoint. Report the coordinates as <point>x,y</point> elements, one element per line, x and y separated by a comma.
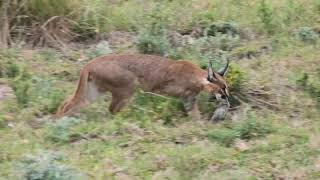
<point>222,110</point>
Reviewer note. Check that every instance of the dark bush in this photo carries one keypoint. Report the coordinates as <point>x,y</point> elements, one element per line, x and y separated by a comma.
<point>21,86</point>
<point>222,27</point>
<point>310,84</point>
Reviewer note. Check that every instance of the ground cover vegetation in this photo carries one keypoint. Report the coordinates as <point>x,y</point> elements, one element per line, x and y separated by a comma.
<point>272,130</point>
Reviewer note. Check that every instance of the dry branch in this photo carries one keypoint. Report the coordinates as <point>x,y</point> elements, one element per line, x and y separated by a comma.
<point>4,24</point>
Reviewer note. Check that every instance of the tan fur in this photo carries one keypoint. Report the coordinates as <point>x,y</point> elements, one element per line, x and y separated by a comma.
<point>117,73</point>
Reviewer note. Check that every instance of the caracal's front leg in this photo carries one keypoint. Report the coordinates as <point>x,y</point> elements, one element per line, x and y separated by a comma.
<point>191,106</point>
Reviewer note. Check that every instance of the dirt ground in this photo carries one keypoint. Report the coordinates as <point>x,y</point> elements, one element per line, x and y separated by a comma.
<point>5,91</point>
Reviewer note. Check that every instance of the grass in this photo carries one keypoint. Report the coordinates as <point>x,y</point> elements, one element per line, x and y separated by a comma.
<point>152,138</point>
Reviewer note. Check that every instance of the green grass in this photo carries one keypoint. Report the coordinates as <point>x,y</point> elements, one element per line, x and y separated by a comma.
<point>152,137</point>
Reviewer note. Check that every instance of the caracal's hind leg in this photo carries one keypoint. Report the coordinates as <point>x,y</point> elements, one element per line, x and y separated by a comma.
<point>191,106</point>
<point>79,100</point>
<point>119,99</point>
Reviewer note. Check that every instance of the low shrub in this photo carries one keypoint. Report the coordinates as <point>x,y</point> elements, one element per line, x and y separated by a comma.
<point>222,27</point>
<point>249,129</point>
<point>36,92</point>
<point>220,41</point>
<point>62,131</point>
<point>100,49</point>
<point>152,44</point>
<point>153,37</point>
<point>11,70</point>
<point>21,86</point>
<point>235,77</point>
<point>53,101</point>
<point>46,165</point>
<point>146,107</point>
<point>252,128</point>
<point>224,136</point>
<point>8,66</point>
<point>307,34</point>
<point>310,84</point>
<point>266,15</point>
<point>249,51</point>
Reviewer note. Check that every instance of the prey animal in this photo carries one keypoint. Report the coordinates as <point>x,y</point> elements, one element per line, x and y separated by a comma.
<point>119,74</point>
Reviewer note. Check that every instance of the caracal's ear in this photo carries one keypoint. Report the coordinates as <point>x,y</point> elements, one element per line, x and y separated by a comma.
<point>211,75</point>
<point>224,70</point>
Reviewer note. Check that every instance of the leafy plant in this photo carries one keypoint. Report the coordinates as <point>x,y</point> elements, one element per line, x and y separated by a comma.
<point>11,69</point>
<point>224,136</point>
<point>62,130</point>
<point>53,101</point>
<point>209,44</point>
<point>21,86</point>
<point>252,128</point>
<point>153,38</point>
<point>222,27</point>
<point>307,34</point>
<point>100,49</point>
<point>46,165</point>
<point>235,77</point>
<point>310,84</point>
<point>265,13</point>
<point>152,44</point>
<point>249,129</point>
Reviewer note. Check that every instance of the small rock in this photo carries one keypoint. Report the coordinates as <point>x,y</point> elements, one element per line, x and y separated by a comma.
<point>10,124</point>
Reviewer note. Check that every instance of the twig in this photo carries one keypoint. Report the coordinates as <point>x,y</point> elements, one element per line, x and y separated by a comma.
<point>155,94</point>
<point>48,21</point>
<point>265,102</point>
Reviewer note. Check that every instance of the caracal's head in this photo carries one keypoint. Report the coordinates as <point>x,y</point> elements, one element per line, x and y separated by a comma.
<point>217,84</point>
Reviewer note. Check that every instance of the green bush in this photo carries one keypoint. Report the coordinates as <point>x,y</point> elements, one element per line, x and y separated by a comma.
<point>266,15</point>
<point>252,128</point>
<point>146,107</point>
<point>153,38</point>
<point>224,136</point>
<point>8,68</point>
<point>310,84</point>
<point>222,27</point>
<point>48,55</point>
<point>47,165</point>
<point>224,42</point>
<point>32,91</point>
<point>11,70</point>
<point>152,44</point>
<point>63,130</point>
<point>307,34</point>
<point>45,96</point>
<point>21,86</point>
<point>235,77</point>
<point>249,129</point>
<point>53,101</point>
<point>100,49</point>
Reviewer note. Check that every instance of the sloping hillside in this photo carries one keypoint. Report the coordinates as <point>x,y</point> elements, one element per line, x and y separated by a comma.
<point>272,130</point>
